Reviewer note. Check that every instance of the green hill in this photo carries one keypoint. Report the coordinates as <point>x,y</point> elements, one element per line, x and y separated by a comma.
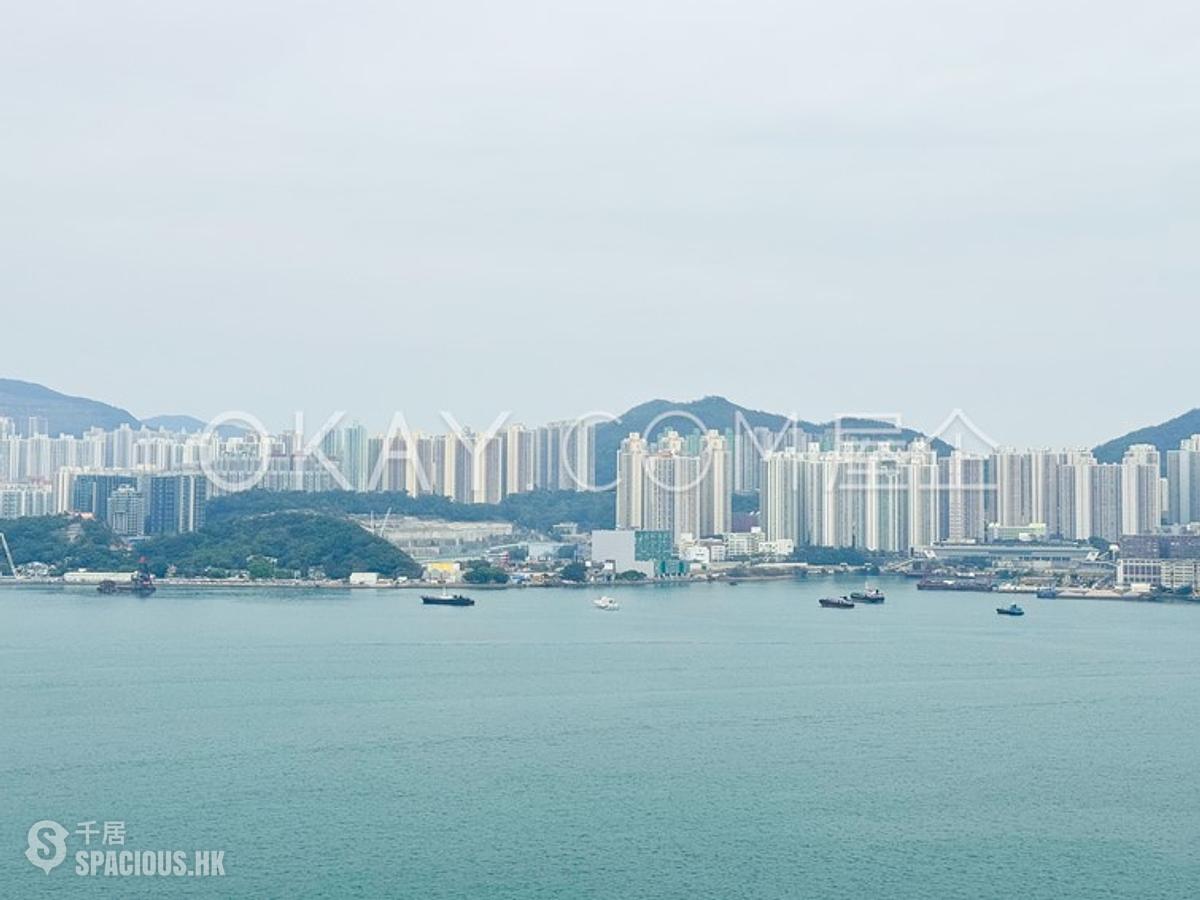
<point>714,412</point>
<point>535,511</point>
<point>1165,437</point>
<point>64,414</point>
<point>176,423</point>
<point>63,543</point>
<point>296,541</point>
<point>191,425</point>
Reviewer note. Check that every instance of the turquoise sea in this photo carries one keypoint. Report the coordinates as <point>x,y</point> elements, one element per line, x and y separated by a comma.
<point>703,742</point>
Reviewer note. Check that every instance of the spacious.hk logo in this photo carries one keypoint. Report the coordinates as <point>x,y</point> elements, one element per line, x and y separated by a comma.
<point>47,849</point>
<point>47,845</point>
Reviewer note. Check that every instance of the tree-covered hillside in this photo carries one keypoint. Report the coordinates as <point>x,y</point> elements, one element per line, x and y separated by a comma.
<point>63,543</point>
<point>1165,437</point>
<point>721,414</point>
<point>64,414</point>
<point>537,510</point>
<point>297,541</point>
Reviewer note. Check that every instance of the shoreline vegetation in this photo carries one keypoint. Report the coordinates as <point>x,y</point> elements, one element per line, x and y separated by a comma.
<point>536,511</point>
<point>299,541</point>
<point>343,584</point>
<point>305,585</point>
<point>284,535</point>
<point>281,545</point>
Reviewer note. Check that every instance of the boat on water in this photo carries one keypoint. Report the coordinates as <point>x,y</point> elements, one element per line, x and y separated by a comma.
<point>836,602</point>
<point>606,603</point>
<point>137,587</point>
<point>1047,593</point>
<point>140,583</point>
<point>956,583</point>
<point>870,595</point>
<point>1010,610</point>
<point>445,599</point>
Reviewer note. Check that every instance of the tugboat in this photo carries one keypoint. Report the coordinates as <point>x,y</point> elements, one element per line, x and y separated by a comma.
<point>836,603</point>
<point>140,583</point>
<point>870,595</point>
<point>1011,610</point>
<point>445,599</point>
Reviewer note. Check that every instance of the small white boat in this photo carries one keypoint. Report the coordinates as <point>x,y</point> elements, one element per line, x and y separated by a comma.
<point>606,603</point>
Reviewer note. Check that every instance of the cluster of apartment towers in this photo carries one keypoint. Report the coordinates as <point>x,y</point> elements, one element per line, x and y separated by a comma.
<point>882,495</point>
<point>890,496</point>
<point>40,474</point>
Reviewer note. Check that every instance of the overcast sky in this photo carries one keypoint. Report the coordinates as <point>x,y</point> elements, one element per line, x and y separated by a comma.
<point>558,207</point>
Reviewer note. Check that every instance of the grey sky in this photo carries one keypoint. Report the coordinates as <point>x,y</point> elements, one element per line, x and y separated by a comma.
<point>557,207</point>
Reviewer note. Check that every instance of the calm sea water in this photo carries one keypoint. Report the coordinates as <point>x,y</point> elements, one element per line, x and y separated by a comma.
<point>705,741</point>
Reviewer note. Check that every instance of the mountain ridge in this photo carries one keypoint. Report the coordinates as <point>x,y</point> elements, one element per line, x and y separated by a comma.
<point>64,413</point>
<point>175,423</point>
<point>68,414</point>
<point>1165,436</point>
<point>718,412</point>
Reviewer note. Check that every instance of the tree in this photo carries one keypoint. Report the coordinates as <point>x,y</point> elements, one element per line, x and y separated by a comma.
<point>481,572</point>
<point>631,575</point>
<point>829,556</point>
<point>297,541</point>
<point>574,571</point>
<point>534,510</point>
<point>65,543</point>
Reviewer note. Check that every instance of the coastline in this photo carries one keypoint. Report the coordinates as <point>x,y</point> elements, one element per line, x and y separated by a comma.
<point>300,585</point>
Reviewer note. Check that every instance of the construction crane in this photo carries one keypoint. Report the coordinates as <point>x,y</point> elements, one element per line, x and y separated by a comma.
<point>8,554</point>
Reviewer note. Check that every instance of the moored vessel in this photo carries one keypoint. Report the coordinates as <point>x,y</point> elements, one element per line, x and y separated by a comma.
<point>956,583</point>
<point>140,583</point>
<point>445,599</point>
<point>836,603</point>
<point>870,595</point>
<point>137,587</point>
